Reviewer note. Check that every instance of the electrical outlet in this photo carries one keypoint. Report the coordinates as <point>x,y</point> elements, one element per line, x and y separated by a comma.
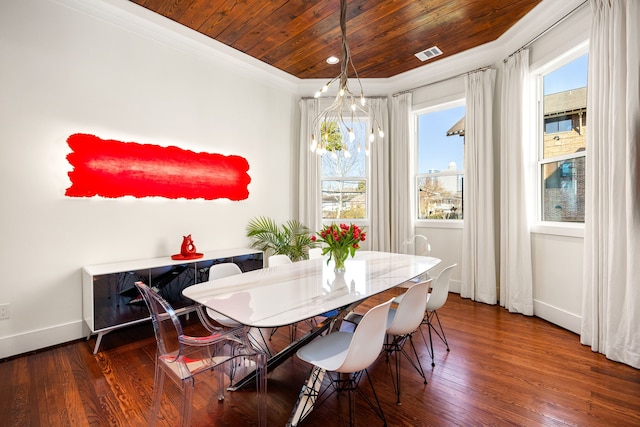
<point>4,311</point>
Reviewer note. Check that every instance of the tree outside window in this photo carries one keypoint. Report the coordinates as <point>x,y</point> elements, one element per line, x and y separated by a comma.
<point>344,177</point>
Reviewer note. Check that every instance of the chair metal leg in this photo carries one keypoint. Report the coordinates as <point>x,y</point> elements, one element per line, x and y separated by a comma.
<point>441,334</point>
<point>397,346</point>
<point>378,411</point>
<point>417,367</point>
<point>428,320</point>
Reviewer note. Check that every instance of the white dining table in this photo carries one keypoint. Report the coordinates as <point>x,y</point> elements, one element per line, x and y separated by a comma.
<point>291,293</point>
<point>286,294</point>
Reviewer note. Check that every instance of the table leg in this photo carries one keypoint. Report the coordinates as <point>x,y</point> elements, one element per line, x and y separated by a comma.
<point>308,396</point>
<point>277,359</point>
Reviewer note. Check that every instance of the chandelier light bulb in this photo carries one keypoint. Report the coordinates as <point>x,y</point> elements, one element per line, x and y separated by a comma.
<point>380,132</point>
<point>317,94</point>
<point>372,137</point>
<point>352,136</point>
<point>346,154</point>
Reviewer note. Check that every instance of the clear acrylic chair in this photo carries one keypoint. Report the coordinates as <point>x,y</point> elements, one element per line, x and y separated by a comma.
<point>343,357</point>
<point>225,269</point>
<point>182,357</point>
<point>275,261</point>
<point>402,322</point>
<point>436,299</point>
<point>416,245</point>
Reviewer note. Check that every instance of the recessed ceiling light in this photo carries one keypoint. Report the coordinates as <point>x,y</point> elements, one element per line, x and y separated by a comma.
<point>332,60</point>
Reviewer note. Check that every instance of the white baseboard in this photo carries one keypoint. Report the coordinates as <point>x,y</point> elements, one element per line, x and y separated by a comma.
<point>557,316</point>
<point>41,338</point>
<point>455,286</point>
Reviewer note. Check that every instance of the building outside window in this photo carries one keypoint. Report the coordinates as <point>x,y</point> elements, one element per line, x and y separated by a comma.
<point>440,173</point>
<point>345,173</point>
<point>563,143</point>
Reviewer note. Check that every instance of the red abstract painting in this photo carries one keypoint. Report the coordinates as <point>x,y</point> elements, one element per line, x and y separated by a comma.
<point>110,168</point>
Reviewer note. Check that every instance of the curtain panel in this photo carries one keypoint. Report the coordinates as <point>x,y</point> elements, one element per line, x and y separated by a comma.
<point>516,277</point>
<point>401,173</point>
<point>309,191</point>
<point>611,294</point>
<point>478,237</point>
<point>379,234</point>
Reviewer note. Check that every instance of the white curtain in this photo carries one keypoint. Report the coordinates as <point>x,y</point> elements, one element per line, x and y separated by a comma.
<point>379,157</point>
<point>611,299</point>
<point>478,237</point>
<point>309,192</point>
<point>516,278</point>
<point>401,173</point>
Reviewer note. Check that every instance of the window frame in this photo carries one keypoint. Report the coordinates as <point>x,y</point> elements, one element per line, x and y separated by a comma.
<point>418,110</point>
<point>565,228</point>
<point>361,222</point>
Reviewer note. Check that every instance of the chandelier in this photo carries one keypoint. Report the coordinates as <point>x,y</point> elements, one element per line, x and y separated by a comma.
<point>345,108</point>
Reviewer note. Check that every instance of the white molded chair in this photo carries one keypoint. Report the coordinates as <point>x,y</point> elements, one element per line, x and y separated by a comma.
<point>315,253</point>
<point>278,259</point>
<point>437,298</point>
<point>225,269</point>
<point>218,271</point>
<point>182,357</point>
<point>402,322</point>
<point>344,357</point>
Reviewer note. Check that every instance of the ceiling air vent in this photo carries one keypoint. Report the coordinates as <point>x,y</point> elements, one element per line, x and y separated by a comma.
<point>432,52</point>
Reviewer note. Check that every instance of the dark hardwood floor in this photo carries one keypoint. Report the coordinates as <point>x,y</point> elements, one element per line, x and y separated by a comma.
<point>503,370</point>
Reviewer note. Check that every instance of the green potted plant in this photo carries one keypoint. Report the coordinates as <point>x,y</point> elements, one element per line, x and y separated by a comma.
<point>293,238</point>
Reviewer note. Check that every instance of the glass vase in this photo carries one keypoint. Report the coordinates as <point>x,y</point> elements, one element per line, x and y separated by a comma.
<point>339,256</point>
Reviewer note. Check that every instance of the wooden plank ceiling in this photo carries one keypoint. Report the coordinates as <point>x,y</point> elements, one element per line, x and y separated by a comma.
<point>297,36</point>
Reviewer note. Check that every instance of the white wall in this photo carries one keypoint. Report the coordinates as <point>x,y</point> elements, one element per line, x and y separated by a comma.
<point>68,68</point>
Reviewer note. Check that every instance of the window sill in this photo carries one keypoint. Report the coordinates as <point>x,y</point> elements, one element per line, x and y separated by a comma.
<point>439,223</point>
<point>559,229</point>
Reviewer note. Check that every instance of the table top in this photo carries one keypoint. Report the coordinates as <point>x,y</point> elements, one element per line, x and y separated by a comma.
<point>291,293</point>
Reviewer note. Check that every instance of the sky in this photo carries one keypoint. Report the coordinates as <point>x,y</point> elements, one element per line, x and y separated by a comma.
<point>571,76</point>
<point>445,149</point>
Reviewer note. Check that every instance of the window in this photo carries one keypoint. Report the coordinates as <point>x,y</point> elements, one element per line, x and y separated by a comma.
<point>344,173</point>
<point>562,147</point>
<point>440,136</point>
